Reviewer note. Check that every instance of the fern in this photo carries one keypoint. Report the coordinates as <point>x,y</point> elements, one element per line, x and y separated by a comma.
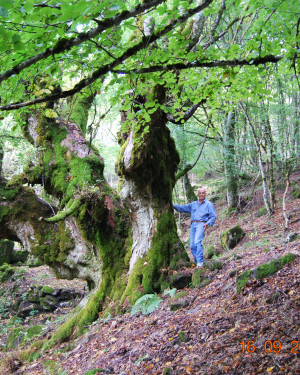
<point>171,292</point>
<point>146,304</point>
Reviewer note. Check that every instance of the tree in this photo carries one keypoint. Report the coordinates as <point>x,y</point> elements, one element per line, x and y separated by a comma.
<point>165,64</point>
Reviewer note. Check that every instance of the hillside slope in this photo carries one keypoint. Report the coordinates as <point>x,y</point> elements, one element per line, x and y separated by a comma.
<point>219,331</point>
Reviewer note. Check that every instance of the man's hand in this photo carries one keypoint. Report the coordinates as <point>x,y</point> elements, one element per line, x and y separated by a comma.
<point>204,226</point>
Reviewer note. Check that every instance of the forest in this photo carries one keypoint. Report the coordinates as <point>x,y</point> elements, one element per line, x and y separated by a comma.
<point>110,113</point>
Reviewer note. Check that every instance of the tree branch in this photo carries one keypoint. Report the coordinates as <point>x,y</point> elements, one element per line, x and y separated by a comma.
<point>198,64</point>
<point>108,67</point>
<point>189,166</point>
<point>188,114</point>
<point>64,44</point>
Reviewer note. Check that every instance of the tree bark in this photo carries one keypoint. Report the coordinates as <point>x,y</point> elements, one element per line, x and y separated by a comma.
<point>229,161</point>
<point>147,166</point>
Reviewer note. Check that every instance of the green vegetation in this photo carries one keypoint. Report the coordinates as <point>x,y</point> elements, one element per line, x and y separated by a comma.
<point>6,272</point>
<point>146,304</point>
<point>263,270</point>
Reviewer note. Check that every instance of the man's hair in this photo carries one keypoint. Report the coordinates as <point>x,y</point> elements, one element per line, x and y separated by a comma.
<point>202,188</point>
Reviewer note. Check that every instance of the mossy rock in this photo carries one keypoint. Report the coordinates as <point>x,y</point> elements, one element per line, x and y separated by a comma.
<point>180,281</point>
<point>46,290</point>
<point>95,371</point>
<point>231,237</point>
<point>19,256</point>
<point>6,272</point>
<point>48,303</point>
<point>211,251</point>
<point>177,305</point>
<point>242,280</point>
<point>273,266</point>
<point>213,265</point>
<point>263,270</point>
<point>200,278</point>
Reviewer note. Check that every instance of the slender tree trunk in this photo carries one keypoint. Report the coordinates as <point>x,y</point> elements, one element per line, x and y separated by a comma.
<point>266,194</point>
<point>189,190</point>
<point>229,160</point>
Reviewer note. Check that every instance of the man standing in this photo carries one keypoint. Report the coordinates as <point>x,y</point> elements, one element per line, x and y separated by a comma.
<point>202,214</point>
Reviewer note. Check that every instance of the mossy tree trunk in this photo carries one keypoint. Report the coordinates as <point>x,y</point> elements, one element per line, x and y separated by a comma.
<point>80,226</point>
<point>147,164</point>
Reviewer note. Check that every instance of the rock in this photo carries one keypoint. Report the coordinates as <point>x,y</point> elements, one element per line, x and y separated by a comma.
<point>180,281</point>
<point>211,251</point>
<point>48,303</point>
<point>176,305</point>
<point>213,265</point>
<point>263,270</point>
<point>200,278</point>
<point>27,308</point>
<point>231,237</point>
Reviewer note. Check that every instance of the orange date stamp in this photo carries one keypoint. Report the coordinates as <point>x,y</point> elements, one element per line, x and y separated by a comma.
<point>271,347</point>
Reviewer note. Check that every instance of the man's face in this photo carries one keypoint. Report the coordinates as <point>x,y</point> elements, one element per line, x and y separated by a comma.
<point>201,194</point>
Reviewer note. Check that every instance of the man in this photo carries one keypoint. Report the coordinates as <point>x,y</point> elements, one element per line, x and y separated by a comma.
<point>202,214</point>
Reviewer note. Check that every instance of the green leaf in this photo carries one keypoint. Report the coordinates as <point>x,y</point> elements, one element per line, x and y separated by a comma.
<point>3,12</point>
<point>146,304</point>
<point>7,4</point>
<point>170,292</point>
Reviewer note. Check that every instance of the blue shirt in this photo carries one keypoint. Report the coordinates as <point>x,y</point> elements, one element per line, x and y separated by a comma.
<point>201,212</point>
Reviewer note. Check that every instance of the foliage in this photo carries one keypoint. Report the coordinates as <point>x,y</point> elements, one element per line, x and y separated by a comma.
<point>170,292</point>
<point>146,304</point>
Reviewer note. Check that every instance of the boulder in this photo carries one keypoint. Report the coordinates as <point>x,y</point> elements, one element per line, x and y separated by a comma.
<point>231,237</point>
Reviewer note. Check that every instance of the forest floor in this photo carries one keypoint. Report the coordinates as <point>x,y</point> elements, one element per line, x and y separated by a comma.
<point>218,332</point>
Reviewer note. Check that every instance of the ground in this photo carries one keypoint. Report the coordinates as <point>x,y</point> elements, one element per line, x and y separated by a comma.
<point>219,331</point>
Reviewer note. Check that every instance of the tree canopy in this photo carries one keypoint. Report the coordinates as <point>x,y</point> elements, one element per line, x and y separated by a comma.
<point>83,42</point>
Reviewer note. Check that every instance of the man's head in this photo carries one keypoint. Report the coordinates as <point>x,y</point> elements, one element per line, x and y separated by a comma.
<point>201,194</point>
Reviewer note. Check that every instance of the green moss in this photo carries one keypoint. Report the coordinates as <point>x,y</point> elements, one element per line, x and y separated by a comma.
<point>165,249</point>
<point>46,290</point>
<point>242,280</point>
<point>273,266</point>
<point>211,251</point>
<point>20,335</point>
<point>94,371</point>
<point>13,338</point>
<point>179,295</point>
<point>4,212</point>
<point>79,110</point>
<point>231,237</point>
<point>213,265</point>
<point>34,331</point>
<point>6,272</point>
<point>200,278</point>
<point>6,251</point>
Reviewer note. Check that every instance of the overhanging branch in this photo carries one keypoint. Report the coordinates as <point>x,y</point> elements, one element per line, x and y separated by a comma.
<point>110,67</point>
<point>201,64</point>
<point>64,44</point>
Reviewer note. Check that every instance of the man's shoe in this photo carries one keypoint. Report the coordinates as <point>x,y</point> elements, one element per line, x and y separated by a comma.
<point>199,265</point>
